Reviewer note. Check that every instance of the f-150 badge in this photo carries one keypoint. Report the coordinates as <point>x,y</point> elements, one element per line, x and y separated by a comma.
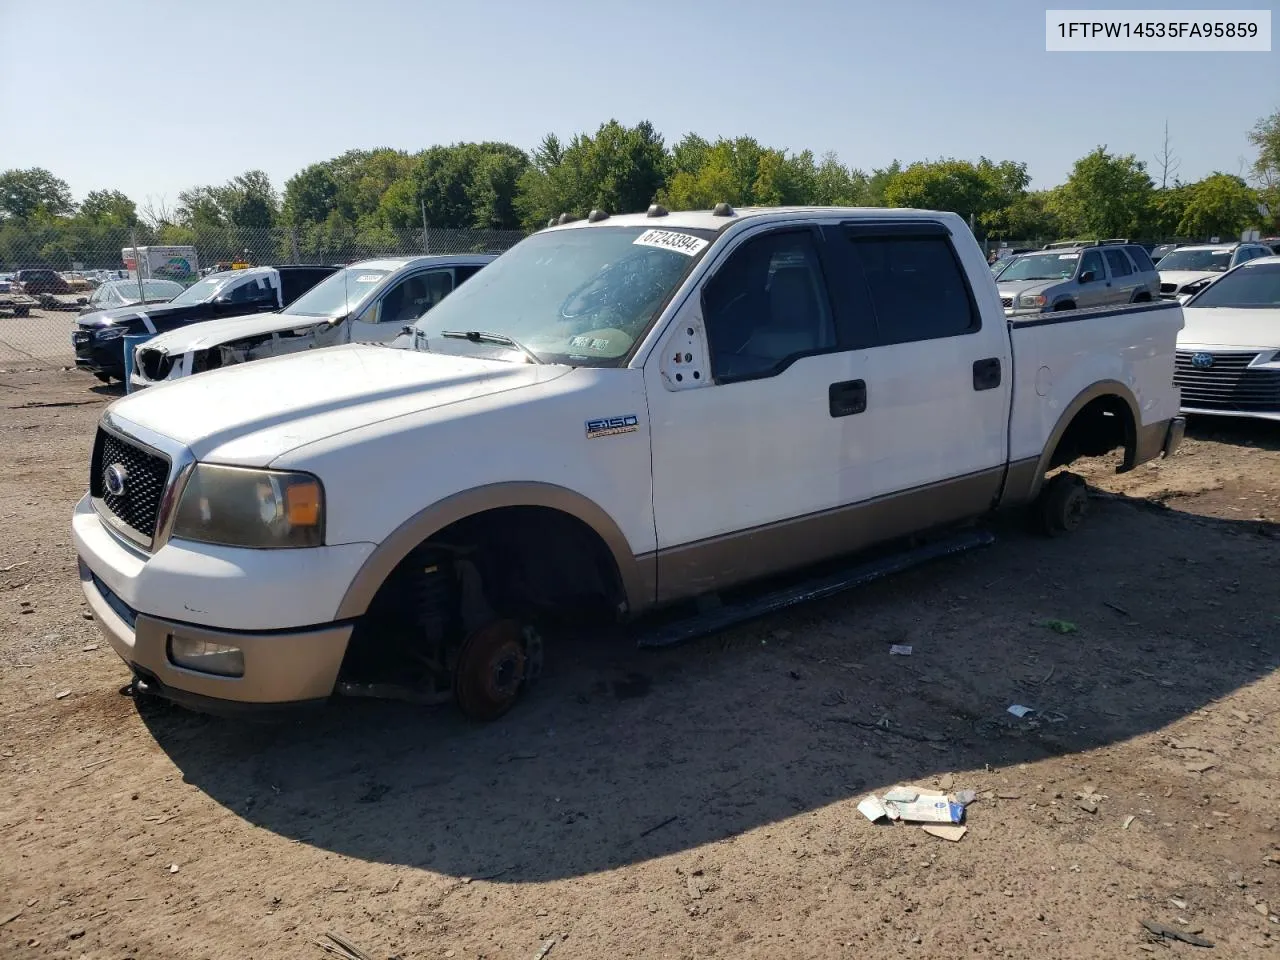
<point>612,426</point>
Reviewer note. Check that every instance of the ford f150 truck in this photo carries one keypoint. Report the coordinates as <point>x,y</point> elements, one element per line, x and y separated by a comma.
<point>616,415</point>
<point>367,302</point>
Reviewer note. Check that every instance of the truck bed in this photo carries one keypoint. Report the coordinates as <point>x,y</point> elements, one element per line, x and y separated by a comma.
<point>1059,356</point>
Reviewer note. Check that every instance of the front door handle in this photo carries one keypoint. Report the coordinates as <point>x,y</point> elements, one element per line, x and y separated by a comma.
<point>847,398</point>
<point>986,373</point>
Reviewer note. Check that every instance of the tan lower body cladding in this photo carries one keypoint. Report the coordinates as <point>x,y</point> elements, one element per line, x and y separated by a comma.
<point>721,562</point>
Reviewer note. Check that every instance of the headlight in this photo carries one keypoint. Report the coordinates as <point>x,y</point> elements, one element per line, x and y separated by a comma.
<point>241,507</point>
<point>1031,300</point>
<point>109,333</point>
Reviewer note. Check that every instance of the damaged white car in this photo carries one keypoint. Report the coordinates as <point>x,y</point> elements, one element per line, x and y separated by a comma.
<point>366,302</point>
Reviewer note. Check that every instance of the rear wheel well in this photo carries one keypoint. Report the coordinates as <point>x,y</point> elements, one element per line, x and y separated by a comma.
<point>1103,424</point>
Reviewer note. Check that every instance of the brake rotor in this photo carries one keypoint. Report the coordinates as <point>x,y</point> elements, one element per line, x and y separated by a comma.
<point>491,668</point>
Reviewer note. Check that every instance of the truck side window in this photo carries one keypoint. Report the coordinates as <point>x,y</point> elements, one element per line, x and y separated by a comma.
<point>917,288</point>
<point>1091,262</point>
<point>1119,263</point>
<point>766,306</point>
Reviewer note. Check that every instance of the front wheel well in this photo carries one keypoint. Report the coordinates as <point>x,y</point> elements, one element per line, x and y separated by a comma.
<point>1103,424</point>
<point>531,565</point>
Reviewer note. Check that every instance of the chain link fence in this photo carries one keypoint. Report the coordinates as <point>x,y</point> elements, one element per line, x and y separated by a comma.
<point>50,276</point>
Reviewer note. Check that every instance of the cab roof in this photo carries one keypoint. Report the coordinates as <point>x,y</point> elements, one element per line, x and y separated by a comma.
<point>710,220</point>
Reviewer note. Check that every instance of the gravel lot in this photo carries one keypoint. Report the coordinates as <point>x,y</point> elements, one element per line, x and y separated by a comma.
<point>693,802</point>
<point>45,335</point>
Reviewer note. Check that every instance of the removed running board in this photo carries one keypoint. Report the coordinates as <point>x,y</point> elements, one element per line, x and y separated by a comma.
<point>731,614</point>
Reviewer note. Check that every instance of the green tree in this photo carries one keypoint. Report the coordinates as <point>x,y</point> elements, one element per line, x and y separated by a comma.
<point>1265,137</point>
<point>108,208</point>
<point>201,207</point>
<point>878,182</point>
<point>310,195</point>
<point>835,185</point>
<point>32,194</point>
<point>741,172</point>
<point>1167,209</point>
<point>952,185</point>
<point>1219,205</point>
<point>250,200</point>
<point>1106,195</point>
<point>618,169</point>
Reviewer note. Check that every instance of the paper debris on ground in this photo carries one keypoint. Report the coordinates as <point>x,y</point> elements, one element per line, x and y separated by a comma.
<point>946,833</point>
<point>900,650</point>
<point>929,810</point>
<point>1019,711</point>
<point>872,809</point>
<point>901,795</point>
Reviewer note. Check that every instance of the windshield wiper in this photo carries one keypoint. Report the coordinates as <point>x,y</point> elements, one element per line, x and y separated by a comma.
<point>484,336</point>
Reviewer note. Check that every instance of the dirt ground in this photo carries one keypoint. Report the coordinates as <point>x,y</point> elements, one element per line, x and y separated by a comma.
<point>696,801</point>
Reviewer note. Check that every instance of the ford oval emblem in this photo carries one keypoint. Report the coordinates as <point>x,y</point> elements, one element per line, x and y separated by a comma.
<point>114,479</point>
<point>1202,361</point>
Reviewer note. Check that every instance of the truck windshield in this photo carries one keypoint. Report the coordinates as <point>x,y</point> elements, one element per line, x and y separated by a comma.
<point>205,289</point>
<point>1041,266</point>
<point>1216,261</point>
<point>581,296</point>
<point>1256,285</point>
<point>338,294</point>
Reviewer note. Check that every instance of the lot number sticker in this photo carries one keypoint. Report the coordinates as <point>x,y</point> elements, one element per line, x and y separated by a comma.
<point>668,240</point>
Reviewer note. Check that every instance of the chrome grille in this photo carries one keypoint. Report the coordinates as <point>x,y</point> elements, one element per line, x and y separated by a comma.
<point>1228,384</point>
<point>146,474</point>
<point>1006,301</point>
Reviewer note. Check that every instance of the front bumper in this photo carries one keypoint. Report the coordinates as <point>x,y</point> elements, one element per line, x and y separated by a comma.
<point>276,606</point>
<point>104,357</point>
<point>280,668</point>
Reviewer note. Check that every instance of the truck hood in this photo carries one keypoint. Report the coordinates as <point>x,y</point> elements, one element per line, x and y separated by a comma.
<point>210,333</point>
<point>1233,327</point>
<point>252,413</point>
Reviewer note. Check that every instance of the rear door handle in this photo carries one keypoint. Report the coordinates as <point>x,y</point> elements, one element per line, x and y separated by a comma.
<point>986,373</point>
<point>847,398</point>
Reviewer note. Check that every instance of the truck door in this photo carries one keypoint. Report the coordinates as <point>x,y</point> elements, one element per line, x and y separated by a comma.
<point>932,442</point>
<point>748,454</point>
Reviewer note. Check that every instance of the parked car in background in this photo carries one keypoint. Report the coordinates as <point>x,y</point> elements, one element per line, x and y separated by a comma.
<point>40,280</point>
<point>1228,360</point>
<point>1189,269</point>
<point>1072,275</point>
<point>368,302</point>
<point>618,414</point>
<point>1162,250</point>
<point>124,293</point>
<point>234,293</point>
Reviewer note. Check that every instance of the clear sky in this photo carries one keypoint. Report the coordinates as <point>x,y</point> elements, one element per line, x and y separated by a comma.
<point>152,97</point>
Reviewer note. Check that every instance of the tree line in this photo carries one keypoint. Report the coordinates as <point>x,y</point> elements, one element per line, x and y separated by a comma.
<point>369,198</point>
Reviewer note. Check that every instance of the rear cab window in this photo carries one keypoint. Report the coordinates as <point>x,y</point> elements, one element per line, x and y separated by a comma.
<point>905,277</point>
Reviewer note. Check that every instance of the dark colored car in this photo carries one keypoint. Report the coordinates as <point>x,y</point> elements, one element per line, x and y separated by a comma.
<point>41,280</point>
<point>98,336</point>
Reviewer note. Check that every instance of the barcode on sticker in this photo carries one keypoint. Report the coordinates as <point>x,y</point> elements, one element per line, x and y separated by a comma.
<point>670,240</point>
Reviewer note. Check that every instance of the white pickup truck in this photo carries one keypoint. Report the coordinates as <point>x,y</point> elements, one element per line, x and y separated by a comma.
<point>619,414</point>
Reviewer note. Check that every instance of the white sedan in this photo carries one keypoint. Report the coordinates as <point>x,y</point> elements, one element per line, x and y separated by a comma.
<point>1228,359</point>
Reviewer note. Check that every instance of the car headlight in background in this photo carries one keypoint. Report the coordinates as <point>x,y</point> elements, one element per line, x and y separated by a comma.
<point>242,507</point>
<point>108,333</point>
<point>1031,300</point>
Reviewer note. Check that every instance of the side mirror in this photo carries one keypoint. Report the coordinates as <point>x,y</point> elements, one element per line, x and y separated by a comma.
<point>1086,277</point>
<point>407,330</point>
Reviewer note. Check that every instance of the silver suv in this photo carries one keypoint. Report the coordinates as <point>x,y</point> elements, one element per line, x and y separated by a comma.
<point>1072,275</point>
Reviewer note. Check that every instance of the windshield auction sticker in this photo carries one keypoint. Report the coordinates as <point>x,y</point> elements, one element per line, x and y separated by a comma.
<point>669,240</point>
